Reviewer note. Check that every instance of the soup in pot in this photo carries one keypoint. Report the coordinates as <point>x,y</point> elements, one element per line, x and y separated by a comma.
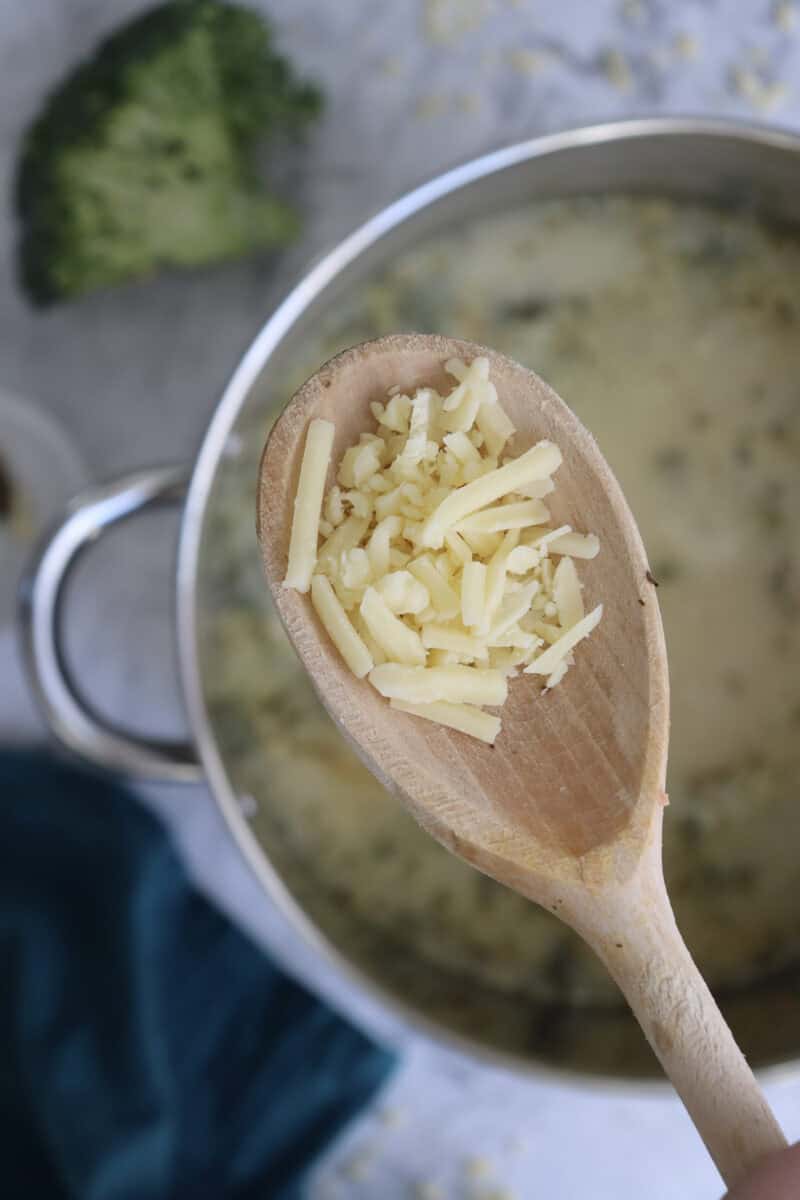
<point>673,330</point>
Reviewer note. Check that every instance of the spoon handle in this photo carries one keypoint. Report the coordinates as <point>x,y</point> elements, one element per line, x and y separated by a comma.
<point>635,933</point>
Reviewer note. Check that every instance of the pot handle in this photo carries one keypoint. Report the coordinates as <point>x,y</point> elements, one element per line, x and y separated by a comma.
<point>69,717</point>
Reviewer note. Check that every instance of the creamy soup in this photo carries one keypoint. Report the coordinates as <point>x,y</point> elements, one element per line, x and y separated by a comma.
<point>674,332</point>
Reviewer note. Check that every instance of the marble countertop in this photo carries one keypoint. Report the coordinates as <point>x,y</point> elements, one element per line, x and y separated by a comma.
<point>412,88</point>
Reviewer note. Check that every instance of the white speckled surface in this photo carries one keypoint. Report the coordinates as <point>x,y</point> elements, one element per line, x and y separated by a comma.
<point>135,375</point>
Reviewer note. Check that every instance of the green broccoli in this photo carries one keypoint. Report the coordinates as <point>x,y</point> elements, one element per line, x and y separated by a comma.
<point>146,156</point>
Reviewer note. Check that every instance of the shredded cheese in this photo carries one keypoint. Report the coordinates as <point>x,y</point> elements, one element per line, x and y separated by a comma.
<point>473,594</point>
<point>546,663</point>
<point>432,561</point>
<point>400,643</point>
<point>338,626</point>
<point>567,593</point>
<point>466,718</point>
<point>578,545</point>
<point>505,516</point>
<point>308,505</point>
<point>425,685</point>
<point>537,463</point>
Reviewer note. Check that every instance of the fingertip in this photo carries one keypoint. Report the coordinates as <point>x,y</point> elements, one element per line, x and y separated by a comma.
<point>776,1178</point>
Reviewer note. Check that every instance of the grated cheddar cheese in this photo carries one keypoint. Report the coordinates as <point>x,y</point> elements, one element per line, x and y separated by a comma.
<point>431,558</point>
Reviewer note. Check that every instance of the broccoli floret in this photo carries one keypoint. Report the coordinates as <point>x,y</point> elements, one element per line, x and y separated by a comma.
<point>146,156</point>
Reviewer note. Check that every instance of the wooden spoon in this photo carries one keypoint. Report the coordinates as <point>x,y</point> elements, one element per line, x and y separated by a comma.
<point>567,807</point>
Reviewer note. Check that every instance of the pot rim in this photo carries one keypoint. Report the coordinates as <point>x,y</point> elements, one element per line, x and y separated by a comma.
<point>312,283</point>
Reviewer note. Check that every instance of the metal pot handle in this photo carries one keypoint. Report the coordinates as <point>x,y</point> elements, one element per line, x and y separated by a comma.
<point>70,719</point>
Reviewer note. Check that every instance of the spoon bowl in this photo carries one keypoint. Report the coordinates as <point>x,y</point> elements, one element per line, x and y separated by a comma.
<point>582,768</point>
<point>567,807</point>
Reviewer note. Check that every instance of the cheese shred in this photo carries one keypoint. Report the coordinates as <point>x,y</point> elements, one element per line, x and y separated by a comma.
<point>308,505</point>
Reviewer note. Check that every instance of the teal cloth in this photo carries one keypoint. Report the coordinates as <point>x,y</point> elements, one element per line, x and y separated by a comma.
<point>148,1050</point>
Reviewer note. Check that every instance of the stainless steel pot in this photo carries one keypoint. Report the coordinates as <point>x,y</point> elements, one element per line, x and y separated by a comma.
<point>754,166</point>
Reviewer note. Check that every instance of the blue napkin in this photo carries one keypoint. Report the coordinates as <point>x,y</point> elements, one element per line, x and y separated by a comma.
<point>148,1050</point>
